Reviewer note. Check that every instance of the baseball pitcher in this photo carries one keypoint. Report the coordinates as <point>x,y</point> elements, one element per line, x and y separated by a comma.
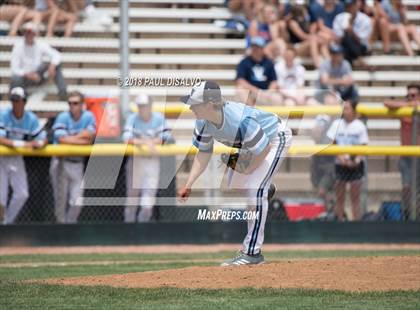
<point>262,140</point>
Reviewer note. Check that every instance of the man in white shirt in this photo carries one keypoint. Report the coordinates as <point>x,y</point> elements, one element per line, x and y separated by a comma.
<point>291,78</point>
<point>353,29</point>
<point>34,62</point>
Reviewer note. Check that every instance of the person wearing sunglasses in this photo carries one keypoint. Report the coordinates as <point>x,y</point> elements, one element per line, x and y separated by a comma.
<point>18,129</point>
<point>74,127</point>
<point>405,163</point>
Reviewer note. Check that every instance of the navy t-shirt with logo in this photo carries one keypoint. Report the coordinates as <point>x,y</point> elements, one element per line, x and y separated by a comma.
<point>259,74</point>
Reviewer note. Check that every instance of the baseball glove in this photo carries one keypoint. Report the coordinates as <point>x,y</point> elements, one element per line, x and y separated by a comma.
<point>237,161</point>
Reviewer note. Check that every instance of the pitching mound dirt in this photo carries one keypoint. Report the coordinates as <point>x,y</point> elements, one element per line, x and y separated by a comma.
<point>346,274</point>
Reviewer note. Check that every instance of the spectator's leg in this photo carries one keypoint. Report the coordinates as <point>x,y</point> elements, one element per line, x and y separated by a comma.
<point>384,30</point>
<point>412,31</point>
<point>19,184</point>
<point>70,19</point>
<point>313,46</point>
<point>52,22</point>
<point>355,189</point>
<point>61,83</point>
<point>403,36</point>
<point>34,16</point>
<point>18,81</point>
<point>340,193</point>
<point>245,96</point>
<point>41,70</point>
<point>19,15</point>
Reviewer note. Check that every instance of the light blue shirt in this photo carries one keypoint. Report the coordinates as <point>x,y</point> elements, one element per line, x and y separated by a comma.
<point>243,127</point>
<point>25,129</point>
<point>135,127</point>
<point>65,125</point>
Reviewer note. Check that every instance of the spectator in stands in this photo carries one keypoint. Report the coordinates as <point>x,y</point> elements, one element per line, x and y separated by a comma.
<point>392,23</point>
<point>406,163</point>
<point>74,127</point>
<point>291,79</point>
<point>92,15</point>
<point>18,128</point>
<point>322,18</point>
<point>353,30</point>
<point>266,25</point>
<point>335,79</point>
<point>28,64</point>
<point>242,12</point>
<point>57,12</point>
<point>306,43</point>
<point>255,76</point>
<point>348,169</point>
<point>145,128</point>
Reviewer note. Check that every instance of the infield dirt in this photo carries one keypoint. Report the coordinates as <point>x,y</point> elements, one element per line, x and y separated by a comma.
<point>345,274</point>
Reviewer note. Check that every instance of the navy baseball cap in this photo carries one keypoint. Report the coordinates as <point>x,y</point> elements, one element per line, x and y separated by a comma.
<point>204,92</point>
<point>258,41</point>
<point>349,2</point>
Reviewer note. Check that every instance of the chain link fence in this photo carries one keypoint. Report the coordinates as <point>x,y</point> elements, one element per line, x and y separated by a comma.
<point>329,192</point>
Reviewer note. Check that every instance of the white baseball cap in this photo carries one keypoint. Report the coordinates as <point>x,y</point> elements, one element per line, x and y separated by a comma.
<point>143,99</point>
<point>31,27</point>
<point>17,93</point>
<point>204,92</point>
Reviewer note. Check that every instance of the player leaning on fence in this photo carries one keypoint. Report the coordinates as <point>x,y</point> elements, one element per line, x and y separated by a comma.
<point>74,127</point>
<point>252,131</point>
<point>18,128</point>
<point>145,128</point>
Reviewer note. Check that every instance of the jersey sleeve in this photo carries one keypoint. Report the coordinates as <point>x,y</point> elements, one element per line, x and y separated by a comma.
<point>163,131</point>
<point>3,133</point>
<point>37,131</point>
<point>202,139</point>
<point>128,132</point>
<point>253,137</point>
<point>60,128</point>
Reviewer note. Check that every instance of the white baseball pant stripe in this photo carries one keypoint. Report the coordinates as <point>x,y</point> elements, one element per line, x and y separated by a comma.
<point>142,182</point>
<point>13,173</point>
<point>256,185</point>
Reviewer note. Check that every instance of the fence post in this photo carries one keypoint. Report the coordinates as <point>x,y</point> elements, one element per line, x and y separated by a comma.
<point>414,138</point>
<point>124,57</point>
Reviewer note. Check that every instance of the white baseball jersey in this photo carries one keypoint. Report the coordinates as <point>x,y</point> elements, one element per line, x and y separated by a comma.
<point>243,127</point>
